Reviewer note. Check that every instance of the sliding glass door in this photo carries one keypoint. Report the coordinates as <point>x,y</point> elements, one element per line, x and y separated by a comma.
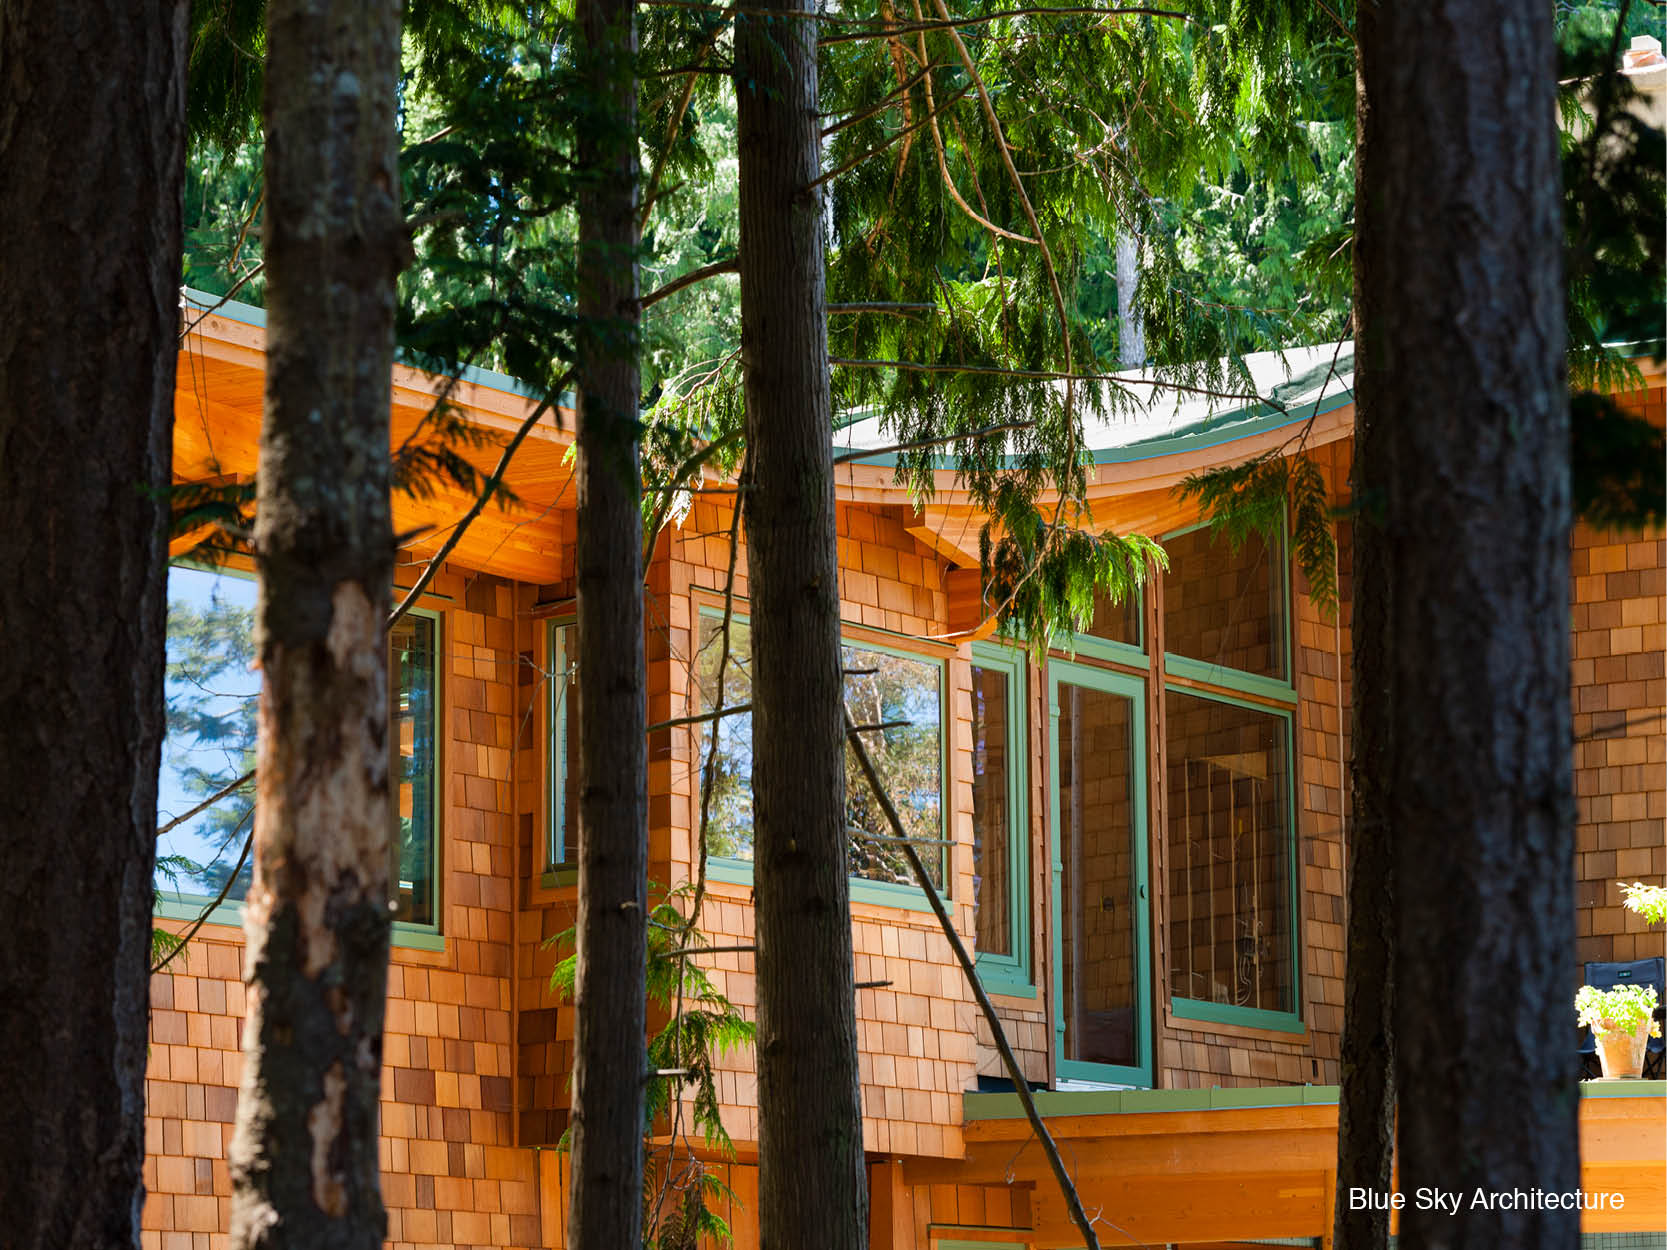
<point>1102,960</point>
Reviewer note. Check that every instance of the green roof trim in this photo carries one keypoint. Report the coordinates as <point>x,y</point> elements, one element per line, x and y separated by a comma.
<point>201,302</point>
<point>1135,1101</point>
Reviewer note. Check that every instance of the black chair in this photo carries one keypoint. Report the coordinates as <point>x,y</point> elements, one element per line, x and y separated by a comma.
<point>1606,976</point>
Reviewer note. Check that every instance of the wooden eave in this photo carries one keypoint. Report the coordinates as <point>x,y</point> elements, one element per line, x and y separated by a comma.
<point>218,395</point>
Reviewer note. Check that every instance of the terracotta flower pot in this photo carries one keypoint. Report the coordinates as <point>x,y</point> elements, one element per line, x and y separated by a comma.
<point>1622,1054</point>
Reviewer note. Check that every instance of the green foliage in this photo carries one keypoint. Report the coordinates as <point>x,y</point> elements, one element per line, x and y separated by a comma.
<point>1617,1011</point>
<point>701,1026</point>
<point>1616,460</point>
<point>1256,497</point>
<point>1649,901</point>
<point>1043,578</point>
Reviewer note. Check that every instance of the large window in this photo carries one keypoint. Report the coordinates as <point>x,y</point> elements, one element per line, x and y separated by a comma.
<point>1230,842</point>
<point>1000,834</point>
<point>896,690</point>
<point>1225,608</point>
<point>561,802</point>
<point>211,696</point>
<point>1231,931</point>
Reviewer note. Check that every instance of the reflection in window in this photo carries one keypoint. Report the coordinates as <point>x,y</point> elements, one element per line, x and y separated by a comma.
<point>1099,907</point>
<point>904,693</point>
<point>211,694</point>
<point>563,799</point>
<point>1229,846</point>
<point>991,812</point>
<point>1226,607</point>
<point>411,669</point>
<point>1116,622</point>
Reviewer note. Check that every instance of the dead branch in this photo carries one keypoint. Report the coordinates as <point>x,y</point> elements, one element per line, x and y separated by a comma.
<point>730,264</point>
<point>1021,1086</point>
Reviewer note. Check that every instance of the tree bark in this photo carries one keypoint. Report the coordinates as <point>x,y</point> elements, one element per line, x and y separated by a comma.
<point>92,142</point>
<point>1366,1099</point>
<point>610,991</point>
<point>304,1159</point>
<point>1462,343</point>
<point>1131,328</point>
<point>812,1182</point>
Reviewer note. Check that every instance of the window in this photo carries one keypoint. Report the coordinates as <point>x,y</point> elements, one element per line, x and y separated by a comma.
<point>903,692</point>
<point>562,799</point>
<point>211,693</point>
<point>413,867</point>
<point>1000,830</point>
<point>1116,622</point>
<point>1225,609</point>
<point>1232,936</point>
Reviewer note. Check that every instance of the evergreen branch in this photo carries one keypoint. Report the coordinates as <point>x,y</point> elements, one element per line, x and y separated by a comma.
<point>892,99</point>
<point>207,803</point>
<point>948,180</point>
<point>651,190</point>
<point>892,309</point>
<point>202,918</point>
<point>904,133</point>
<point>1030,216</point>
<point>885,29</point>
<point>731,264</point>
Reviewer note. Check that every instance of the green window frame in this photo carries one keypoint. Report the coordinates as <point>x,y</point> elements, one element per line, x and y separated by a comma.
<point>863,890</point>
<point>1208,1011</point>
<point>1134,689</point>
<point>1275,697</point>
<point>1091,647</point>
<point>1012,972</point>
<point>187,905</point>
<point>1258,684</point>
<point>561,716</point>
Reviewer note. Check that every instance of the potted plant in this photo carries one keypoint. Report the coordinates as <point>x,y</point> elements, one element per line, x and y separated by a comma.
<point>1622,1021</point>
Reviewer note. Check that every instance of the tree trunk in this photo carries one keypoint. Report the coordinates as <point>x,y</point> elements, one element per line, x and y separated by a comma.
<point>1462,343</point>
<point>1131,329</point>
<point>812,1183</point>
<point>1366,1100</point>
<point>304,1158</point>
<point>92,142</point>
<point>610,993</point>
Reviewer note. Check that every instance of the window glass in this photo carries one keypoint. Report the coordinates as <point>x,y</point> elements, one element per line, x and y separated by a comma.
<point>903,693</point>
<point>1226,607</point>
<point>1229,847</point>
<point>1098,770</point>
<point>411,670</point>
<point>991,812</point>
<point>1116,622</point>
<point>211,693</point>
<point>563,798</point>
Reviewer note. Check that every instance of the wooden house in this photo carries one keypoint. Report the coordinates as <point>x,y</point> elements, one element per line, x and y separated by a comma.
<point>1143,835</point>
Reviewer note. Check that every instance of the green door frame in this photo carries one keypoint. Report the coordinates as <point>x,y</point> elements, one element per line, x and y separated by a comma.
<point>1133,688</point>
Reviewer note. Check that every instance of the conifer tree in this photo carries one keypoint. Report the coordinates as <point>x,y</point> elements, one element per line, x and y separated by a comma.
<point>610,991</point>
<point>304,1158</point>
<point>1460,248</point>
<point>92,144</point>
<point>812,1174</point>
